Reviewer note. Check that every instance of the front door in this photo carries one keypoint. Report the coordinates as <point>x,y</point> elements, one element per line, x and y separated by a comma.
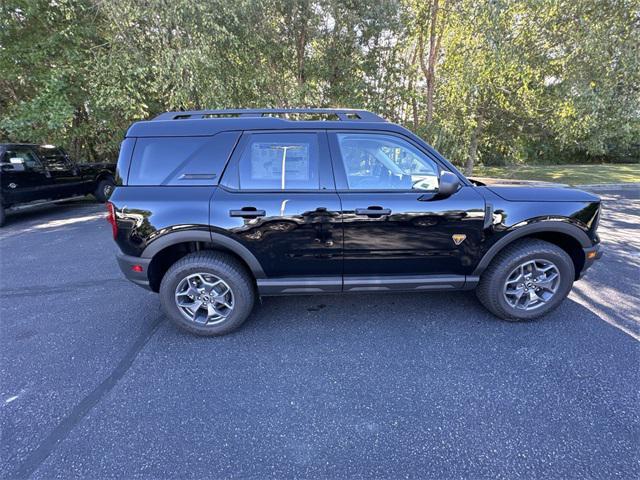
<point>277,198</point>
<point>394,222</point>
<point>24,178</point>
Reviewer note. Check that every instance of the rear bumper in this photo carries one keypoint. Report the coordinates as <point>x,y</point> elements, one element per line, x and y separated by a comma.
<point>126,264</point>
<point>591,254</point>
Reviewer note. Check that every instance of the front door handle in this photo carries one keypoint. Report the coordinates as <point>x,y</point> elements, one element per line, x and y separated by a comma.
<point>247,212</point>
<point>373,211</point>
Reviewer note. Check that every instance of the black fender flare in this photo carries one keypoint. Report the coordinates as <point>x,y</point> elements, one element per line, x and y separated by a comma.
<point>102,174</point>
<point>218,239</point>
<point>563,227</point>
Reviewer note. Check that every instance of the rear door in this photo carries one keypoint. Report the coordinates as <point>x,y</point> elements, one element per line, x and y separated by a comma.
<point>23,177</point>
<point>277,198</point>
<point>65,177</point>
<point>394,222</point>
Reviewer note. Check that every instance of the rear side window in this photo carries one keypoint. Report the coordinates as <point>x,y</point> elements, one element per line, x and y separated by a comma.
<point>274,161</point>
<point>54,158</point>
<point>180,161</point>
<point>124,160</point>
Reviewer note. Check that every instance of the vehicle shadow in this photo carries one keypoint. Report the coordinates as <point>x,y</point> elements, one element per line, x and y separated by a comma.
<point>46,211</point>
<point>402,316</point>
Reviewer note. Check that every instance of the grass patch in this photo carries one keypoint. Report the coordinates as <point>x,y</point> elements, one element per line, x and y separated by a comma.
<point>570,174</point>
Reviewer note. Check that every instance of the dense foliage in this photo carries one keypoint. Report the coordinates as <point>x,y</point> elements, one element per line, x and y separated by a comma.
<point>495,81</point>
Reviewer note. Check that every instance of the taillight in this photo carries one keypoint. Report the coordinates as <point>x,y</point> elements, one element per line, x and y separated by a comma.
<point>111,218</point>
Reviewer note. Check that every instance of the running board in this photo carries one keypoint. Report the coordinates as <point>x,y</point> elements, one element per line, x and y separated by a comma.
<point>39,203</point>
<point>300,285</point>
<point>359,284</point>
<point>403,283</point>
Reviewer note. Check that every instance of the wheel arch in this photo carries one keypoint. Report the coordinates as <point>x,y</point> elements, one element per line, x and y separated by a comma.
<point>168,249</point>
<point>104,174</point>
<point>565,235</point>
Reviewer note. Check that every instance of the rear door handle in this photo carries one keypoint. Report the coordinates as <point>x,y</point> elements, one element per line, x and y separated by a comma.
<point>247,212</point>
<point>373,211</point>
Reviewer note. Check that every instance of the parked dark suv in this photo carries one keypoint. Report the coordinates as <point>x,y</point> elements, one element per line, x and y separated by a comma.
<point>35,174</point>
<point>214,208</point>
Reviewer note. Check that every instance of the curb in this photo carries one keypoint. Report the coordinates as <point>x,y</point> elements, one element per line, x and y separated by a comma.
<point>610,186</point>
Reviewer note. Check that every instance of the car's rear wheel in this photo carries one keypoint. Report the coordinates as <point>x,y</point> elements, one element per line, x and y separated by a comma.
<point>527,280</point>
<point>104,189</point>
<point>207,293</point>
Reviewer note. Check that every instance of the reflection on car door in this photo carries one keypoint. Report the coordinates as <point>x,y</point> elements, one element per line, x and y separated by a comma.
<point>394,222</point>
<point>24,178</point>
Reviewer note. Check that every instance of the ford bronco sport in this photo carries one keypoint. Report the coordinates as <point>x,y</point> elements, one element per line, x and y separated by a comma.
<point>215,208</point>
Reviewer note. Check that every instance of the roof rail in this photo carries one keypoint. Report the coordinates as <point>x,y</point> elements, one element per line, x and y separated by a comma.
<point>343,114</point>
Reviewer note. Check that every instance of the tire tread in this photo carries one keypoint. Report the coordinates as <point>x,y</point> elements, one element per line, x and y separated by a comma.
<point>489,290</point>
<point>225,265</point>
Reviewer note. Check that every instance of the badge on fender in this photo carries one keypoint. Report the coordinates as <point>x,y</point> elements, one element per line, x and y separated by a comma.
<point>458,238</point>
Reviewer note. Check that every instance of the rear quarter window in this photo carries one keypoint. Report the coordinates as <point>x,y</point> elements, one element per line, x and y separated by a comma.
<point>180,161</point>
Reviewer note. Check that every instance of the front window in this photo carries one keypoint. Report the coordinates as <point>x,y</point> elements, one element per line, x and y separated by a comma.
<point>19,159</point>
<point>384,162</point>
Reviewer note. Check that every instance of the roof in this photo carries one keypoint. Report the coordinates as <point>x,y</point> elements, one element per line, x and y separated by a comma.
<point>18,144</point>
<point>342,114</point>
<point>210,122</point>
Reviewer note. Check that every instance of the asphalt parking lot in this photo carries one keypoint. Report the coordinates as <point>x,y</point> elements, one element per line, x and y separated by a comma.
<point>96,383</point>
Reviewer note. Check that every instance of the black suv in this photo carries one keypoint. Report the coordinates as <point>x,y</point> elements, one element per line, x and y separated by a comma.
<point>214,208</point>
<point>33,174</point>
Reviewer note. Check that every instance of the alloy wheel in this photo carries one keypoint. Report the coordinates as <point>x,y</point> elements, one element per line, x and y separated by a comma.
<point>204,298</point>
<point>531,284</point>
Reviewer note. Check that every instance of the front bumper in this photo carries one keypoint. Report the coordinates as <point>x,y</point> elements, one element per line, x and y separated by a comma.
<point>127,262</point>
<point>591,254</point>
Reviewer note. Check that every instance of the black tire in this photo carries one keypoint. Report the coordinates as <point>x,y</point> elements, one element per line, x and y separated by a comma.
<point>104,189</point>
<point>222,265</point>
<point>2,215</point>
<point>490,288</point>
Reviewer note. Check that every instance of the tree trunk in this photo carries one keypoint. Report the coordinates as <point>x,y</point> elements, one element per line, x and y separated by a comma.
<point>414,101</point>
<point>301,45</point>
<point>76,142</point>
<point>473,148</point>
<point>429,67</point>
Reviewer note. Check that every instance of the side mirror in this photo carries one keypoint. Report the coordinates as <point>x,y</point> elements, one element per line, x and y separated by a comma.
<point>449,184</point>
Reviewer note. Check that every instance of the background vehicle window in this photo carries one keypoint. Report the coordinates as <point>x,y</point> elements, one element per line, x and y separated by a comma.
<point>54,158</point>
<point>280,162</point>
<point>384,162</point>
<point>20,159</point>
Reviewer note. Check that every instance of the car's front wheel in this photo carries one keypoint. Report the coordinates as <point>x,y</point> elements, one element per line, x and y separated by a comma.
<point>527,280</point>
<point>207,293</point>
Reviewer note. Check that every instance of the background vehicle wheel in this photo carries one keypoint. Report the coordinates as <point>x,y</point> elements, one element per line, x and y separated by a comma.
<point>207,293</point>
<point>104,189</point>
<point>526,280</point>
<point>1,215</point>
